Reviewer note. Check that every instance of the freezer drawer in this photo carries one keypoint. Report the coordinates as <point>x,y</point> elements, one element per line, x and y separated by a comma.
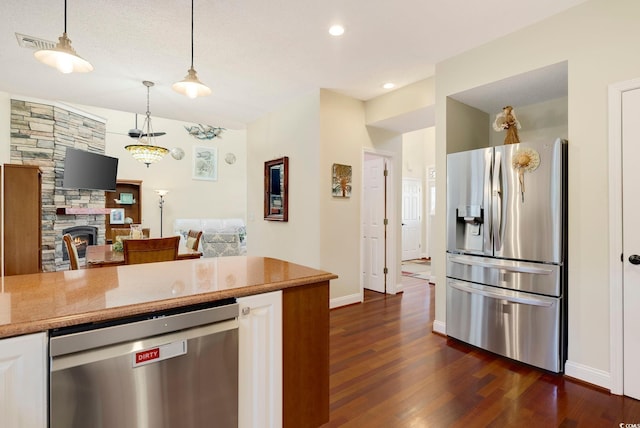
<point>530,277</point>
<point>517,325</point>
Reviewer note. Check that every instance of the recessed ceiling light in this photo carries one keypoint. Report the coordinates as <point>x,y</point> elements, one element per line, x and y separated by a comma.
<point>336,30</point>
<point>389,85</point>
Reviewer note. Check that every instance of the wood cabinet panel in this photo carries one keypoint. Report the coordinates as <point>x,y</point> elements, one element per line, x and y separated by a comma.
<point>22,219</point>
<point>305,337</point>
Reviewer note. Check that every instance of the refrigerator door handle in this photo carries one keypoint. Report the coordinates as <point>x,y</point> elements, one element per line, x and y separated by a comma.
<point>497,265</point>
<point>501,296</point>
<point>497,202</point>
<point>488,219</point>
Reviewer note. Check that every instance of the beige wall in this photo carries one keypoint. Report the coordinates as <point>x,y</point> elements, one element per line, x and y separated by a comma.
<point>597,39</point>
<point>293,131</point>
<point>342,136</point>
<point>419,96</point>
<point>470,128</point>
<point>323,232</point>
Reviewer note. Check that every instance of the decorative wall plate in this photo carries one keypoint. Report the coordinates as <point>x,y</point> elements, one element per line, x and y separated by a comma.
<point>177,153</point>
<point>230,158</point>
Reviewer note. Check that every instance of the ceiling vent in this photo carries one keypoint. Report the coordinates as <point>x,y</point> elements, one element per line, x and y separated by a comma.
<point>34,43</point>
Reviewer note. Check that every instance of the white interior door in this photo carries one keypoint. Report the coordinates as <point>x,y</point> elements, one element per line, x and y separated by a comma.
<point>373,215</point>
<point>411,218</point>
<point>631,241</point>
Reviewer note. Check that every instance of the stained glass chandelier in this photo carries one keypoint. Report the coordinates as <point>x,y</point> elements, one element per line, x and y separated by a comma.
<point>145,150</point>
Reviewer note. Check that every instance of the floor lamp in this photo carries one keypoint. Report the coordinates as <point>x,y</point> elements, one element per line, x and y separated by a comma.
<point>162,194</point>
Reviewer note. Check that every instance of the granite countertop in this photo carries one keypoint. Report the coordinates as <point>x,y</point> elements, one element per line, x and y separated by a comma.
<point>39,302</point>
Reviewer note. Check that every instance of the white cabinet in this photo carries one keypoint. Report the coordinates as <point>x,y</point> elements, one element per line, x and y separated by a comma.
<point>23,381</point>
<point>260,365</point>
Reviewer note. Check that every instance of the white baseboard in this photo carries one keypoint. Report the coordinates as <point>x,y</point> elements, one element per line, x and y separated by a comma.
<point>399,288</point>
<point>588,374</point>
<point>345,300</point>
<point>440,327</point>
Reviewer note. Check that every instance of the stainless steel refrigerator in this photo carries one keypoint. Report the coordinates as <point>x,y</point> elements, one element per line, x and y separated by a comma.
<point>507,251</point>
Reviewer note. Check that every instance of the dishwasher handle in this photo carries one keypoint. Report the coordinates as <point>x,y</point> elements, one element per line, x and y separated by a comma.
<point>97,336</point>
<point>143,351</point>
<point>502,296</point>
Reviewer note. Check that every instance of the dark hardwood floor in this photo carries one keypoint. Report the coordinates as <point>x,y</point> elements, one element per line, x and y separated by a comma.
<point>389,370</point>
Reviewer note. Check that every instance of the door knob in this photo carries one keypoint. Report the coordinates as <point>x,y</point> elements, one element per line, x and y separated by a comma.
<point>634,259</point>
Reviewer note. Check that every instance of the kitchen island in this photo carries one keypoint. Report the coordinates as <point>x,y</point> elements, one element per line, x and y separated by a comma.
<point>38,303</point>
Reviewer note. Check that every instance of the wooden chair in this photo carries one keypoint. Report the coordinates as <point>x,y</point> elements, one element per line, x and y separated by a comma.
<point>150,250</point>
<point>72,251</point>
<point>125,231</point>
<point>193,239</point>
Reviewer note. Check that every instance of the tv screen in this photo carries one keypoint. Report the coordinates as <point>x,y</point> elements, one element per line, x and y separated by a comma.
<point>86,170</point>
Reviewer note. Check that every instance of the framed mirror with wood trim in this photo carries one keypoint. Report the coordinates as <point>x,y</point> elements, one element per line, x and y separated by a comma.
<point>276,186</point>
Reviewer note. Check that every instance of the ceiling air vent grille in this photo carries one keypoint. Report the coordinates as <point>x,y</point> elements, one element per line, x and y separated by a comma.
<point>35,43</point>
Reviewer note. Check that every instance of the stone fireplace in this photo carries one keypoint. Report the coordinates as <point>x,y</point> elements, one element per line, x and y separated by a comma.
<point>82,236</point>
<point>40,135</point>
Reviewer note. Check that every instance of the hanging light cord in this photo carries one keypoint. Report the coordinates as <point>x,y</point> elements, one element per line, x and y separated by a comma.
<point>149,131</point>
<point>65,16</point>
<point>191,33</point>
<point>148,121</point>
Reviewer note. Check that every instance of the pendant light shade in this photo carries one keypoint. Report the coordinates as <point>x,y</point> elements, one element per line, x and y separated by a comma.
<point>145,150</point>
<point>191,86</point>
<point>146,153</point>
<point>63,57</point>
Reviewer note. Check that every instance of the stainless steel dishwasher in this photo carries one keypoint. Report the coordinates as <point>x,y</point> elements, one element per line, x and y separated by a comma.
<point>173,369</point>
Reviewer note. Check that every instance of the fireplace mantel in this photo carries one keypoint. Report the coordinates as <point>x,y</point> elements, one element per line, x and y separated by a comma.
<point>88,211</point>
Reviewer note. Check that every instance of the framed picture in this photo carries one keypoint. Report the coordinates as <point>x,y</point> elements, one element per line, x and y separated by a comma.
<point>126,198</point>
<point>276,189</point>
<point>341,181</point>
<point>205,163</point>
<point>116,216</point>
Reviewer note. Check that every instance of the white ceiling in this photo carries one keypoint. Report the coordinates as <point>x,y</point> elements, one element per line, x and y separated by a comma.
<point>254,54</point>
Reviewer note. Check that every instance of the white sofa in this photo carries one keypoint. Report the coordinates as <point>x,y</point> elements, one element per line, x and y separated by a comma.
<point>220,236</point>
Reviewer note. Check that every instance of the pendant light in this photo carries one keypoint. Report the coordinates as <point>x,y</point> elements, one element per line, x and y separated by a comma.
<point>63,56</point>
<point>191,86</point>
<point>145,151</point>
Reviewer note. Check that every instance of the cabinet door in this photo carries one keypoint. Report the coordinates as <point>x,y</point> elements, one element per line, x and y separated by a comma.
<point>23,380</point>
<point>260,365</point>
<point>22,219</point>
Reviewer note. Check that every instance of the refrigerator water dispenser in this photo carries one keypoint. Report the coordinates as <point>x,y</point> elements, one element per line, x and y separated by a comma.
<point>469,227</point>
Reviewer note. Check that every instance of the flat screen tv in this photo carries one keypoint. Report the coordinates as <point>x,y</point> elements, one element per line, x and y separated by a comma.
<point>92,171</point>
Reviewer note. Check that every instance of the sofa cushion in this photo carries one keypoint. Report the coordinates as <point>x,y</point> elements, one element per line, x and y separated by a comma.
<point>220,237</point>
